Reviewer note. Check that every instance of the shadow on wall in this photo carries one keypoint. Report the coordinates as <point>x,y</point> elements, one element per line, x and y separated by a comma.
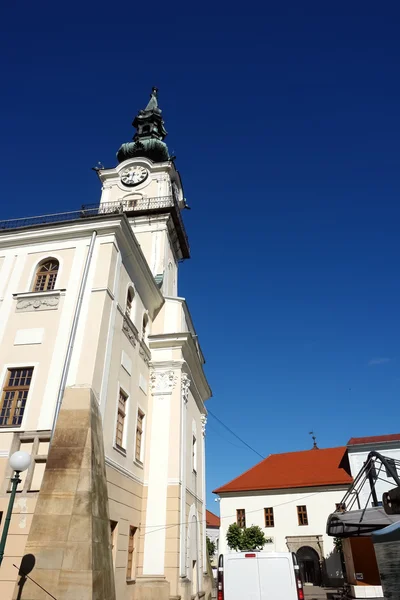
<point>333,569</point>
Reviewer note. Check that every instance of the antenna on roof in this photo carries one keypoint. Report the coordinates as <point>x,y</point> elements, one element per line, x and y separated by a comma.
<point>315,447</point>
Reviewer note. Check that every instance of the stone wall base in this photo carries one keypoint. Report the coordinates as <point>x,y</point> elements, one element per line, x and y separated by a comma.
<point>151,588</point>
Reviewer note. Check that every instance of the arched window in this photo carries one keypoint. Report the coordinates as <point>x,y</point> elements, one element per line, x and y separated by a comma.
<point>144,325</point>
<point>46,275</point>
<point>129,301</point>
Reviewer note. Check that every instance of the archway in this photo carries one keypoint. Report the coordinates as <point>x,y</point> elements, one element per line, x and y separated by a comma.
<point>310,569</point>
<point>193,553</point>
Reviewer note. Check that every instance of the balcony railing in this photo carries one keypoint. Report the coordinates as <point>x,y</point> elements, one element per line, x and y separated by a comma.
<point>44,219</point>
<point>129,206</point>
<point>133,204</point>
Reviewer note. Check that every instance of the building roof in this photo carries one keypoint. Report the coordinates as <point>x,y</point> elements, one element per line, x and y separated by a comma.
<point>211,519</point>
<point>374,439</point>
<point>308,468</point>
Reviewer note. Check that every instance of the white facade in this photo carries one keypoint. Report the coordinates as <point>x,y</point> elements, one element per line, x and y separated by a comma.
<point>320,502</point>
<point>148,352</point>
<point>213,535</point>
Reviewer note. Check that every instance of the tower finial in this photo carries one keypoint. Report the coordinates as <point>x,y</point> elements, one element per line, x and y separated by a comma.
<point>315,447</point>
<point>148,140</point>
<point>153,103</point>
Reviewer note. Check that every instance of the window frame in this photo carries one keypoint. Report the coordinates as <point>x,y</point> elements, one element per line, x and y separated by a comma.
<point>269,517</point>
<point>8,388</point>
<point>140,460</point>
<point>117,446</point>
<point>241,517</point>
<point>194,453</point>
<point>129,303</point>
<point>145,326</point>
<point>302,515</point>
<point>49,273</point>
<point>131,560</point>
<point>114,540</point>
<point>194,448</point>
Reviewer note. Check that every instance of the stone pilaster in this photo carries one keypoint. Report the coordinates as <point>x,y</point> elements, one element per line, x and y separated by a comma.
<point>70,537</point>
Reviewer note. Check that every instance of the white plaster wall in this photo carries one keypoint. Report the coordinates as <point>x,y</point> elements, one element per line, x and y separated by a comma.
<point>213,534</point>
<point>357,458</point>
<point>194,480</point>
<point>152,235</point>
<point>320,504</point>
<point>17,349</point>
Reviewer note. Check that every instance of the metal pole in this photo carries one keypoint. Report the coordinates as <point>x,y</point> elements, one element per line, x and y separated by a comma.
<point>372,479</point>
<point>74,328</point>
<point>15,481</point>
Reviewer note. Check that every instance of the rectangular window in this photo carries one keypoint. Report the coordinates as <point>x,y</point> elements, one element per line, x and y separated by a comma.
<point>119,436</point>
<point>302,515</point>
<point>269,517</point>
<point>130,567</point>
<point>241,517</point>
<point>139,435</point>
<point>15,394</point>
<point>114,533</point>
<point>194,454</point>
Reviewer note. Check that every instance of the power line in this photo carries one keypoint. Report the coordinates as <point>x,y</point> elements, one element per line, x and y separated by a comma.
<point>222,437</point>
<point>248,512</point>
<point>235,434</point>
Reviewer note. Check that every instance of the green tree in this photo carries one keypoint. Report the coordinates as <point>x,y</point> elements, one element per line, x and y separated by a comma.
<point>234,537</point>
<point>253,538</point>
<point>245,538</point>
<point>211,547</point>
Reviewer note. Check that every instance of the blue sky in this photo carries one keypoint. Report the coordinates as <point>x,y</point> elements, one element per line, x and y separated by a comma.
<point>286,128</point>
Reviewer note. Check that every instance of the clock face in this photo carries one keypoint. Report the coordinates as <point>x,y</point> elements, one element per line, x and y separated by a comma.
<point>133,175</point>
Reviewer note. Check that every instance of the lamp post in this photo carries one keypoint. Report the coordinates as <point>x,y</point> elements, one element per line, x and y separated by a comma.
<point>19,461</point>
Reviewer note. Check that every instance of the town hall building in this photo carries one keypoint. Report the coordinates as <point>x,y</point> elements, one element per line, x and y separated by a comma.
<point>89,303</point>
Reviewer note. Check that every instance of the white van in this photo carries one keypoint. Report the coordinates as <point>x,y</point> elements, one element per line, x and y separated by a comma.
<point>259,576</point>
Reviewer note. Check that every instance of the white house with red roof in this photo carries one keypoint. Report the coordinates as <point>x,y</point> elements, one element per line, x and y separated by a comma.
<point>290,496</point>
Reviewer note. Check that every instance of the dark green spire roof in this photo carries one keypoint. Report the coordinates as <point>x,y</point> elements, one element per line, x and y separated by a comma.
<point>148,139</point>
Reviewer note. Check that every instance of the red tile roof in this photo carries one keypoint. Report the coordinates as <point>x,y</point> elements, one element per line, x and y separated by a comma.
<point>211,519</point>
<point>309,468</point>
<point>374,439</point>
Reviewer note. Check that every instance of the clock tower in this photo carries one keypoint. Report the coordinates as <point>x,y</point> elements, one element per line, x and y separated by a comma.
<point>90,317</point>
<point>147,187</point>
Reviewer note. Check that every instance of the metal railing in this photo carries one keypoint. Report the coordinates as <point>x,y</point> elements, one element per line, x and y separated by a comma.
<point>128,206</point>
<point>44,219</point>
<point>133,204</point>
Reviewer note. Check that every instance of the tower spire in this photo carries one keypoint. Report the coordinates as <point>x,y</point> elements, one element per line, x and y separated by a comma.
<point>153,103</point>
<point>149,136</point>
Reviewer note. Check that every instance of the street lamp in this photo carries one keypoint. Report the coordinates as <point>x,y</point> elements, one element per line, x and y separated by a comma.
<point>19,461</point>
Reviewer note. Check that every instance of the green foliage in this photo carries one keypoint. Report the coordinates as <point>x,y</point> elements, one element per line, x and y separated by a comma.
<point>246,538</point>
<point>253,538</point>
<point>234,537</point>
<point>211,547</point>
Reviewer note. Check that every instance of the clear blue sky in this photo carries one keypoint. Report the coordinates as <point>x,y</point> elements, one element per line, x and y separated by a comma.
<point>286,129</point>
